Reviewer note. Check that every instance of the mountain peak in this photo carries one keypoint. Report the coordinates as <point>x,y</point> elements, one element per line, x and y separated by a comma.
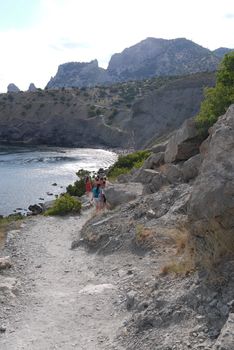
<point>12,88</point>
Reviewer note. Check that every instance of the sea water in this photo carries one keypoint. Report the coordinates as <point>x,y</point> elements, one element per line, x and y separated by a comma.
<point>27,175</point>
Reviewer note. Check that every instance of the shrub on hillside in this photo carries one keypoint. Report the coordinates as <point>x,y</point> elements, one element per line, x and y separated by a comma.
<point>125,163</point>
<point>64,205</point>
<point>78,188</point>
<point>219,98</point>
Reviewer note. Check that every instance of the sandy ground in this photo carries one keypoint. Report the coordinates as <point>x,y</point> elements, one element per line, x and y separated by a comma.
<point>65,299</point>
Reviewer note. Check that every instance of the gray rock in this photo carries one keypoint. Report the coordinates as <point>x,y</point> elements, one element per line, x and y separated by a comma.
<point>191,167</point>
<point>225,340</point>
<point>184,143</point>
<point>172,173</point>
<point>154,161</point>
<point>122,193</point>
<point>35,209</point>
<point>12,88</point>
<point>5,263</point>
<point>211,207</point>
<point>161,147</point>
<point>151,179</point>
<point>47,205</point>
<point>131,299</point>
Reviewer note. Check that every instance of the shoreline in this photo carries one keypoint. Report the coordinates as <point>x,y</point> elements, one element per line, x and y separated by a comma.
<point>20,209</point>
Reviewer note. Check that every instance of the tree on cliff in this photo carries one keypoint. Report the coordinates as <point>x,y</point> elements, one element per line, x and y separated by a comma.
<point>219,98</point>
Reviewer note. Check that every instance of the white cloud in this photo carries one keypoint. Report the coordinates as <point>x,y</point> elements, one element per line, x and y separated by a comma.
<point>77,30</point>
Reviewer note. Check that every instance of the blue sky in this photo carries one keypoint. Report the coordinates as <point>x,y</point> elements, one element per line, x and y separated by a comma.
<point>18,14</point>
<point>38,35</point>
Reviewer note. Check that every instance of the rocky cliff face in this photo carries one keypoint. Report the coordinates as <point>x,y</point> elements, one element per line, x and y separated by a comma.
<point>76,74</point>
<point>165,109</point>
<point>149,58</point>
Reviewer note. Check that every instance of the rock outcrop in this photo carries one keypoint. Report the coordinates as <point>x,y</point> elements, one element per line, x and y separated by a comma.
<point>12,88</point>
<point>211,208</point>
<point>75,74</point>
<point>184,143</point>
<point>32,88</point>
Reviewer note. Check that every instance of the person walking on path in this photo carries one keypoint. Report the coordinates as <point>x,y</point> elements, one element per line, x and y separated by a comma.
<point>96,196</point>
<point>88,187</point>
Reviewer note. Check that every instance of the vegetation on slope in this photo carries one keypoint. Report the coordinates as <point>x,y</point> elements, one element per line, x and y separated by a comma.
<point>126,163</point>
<point>219,98</point>
<point>64,205</point>
<point>78,188</point>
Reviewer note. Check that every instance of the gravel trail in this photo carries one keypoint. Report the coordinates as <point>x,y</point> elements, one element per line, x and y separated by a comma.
<point>67,299</point>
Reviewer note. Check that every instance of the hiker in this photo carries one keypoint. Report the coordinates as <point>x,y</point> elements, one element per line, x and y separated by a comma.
<point>88,187</point>
<point>102,195</point>
<point>96,196</point>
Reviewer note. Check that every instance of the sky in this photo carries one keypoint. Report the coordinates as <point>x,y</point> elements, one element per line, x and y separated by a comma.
<point>36,36</point>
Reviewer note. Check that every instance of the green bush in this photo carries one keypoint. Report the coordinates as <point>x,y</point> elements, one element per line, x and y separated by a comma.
<point>219,98</point>
<point>78,188</point>
<point>64,205</point>
<point>125,163</point>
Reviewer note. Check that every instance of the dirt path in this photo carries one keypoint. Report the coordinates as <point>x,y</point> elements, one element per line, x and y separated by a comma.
<point>66,299</point>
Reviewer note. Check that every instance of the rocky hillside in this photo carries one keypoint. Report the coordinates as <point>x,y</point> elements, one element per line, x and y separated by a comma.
<point>149,58</point>
<point>122,115</point>
<point>179,295</point>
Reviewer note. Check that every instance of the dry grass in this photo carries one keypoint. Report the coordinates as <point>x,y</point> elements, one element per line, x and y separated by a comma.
<point>143,234</point>
<point>213,246</point>
<point>182,262</point>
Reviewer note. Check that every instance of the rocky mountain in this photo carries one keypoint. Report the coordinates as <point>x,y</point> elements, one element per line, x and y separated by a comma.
<point>74,74</point>
<point>32,88</point>
<point>12,88</point>
<point>221,51</point>
<point>126,115</point>
<point>157,57</point>
<point>149,58</point>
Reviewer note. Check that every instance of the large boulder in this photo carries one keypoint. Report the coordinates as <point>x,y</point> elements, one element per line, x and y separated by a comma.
<point>152,180</point>
<point>172,173</point>
<point>154,161</point>
<point>184,143</point>
<point>191,167</point>
<point>211,207</point>
<point>35,209</point>
<point>122,193</point>
<point>160,147</point>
